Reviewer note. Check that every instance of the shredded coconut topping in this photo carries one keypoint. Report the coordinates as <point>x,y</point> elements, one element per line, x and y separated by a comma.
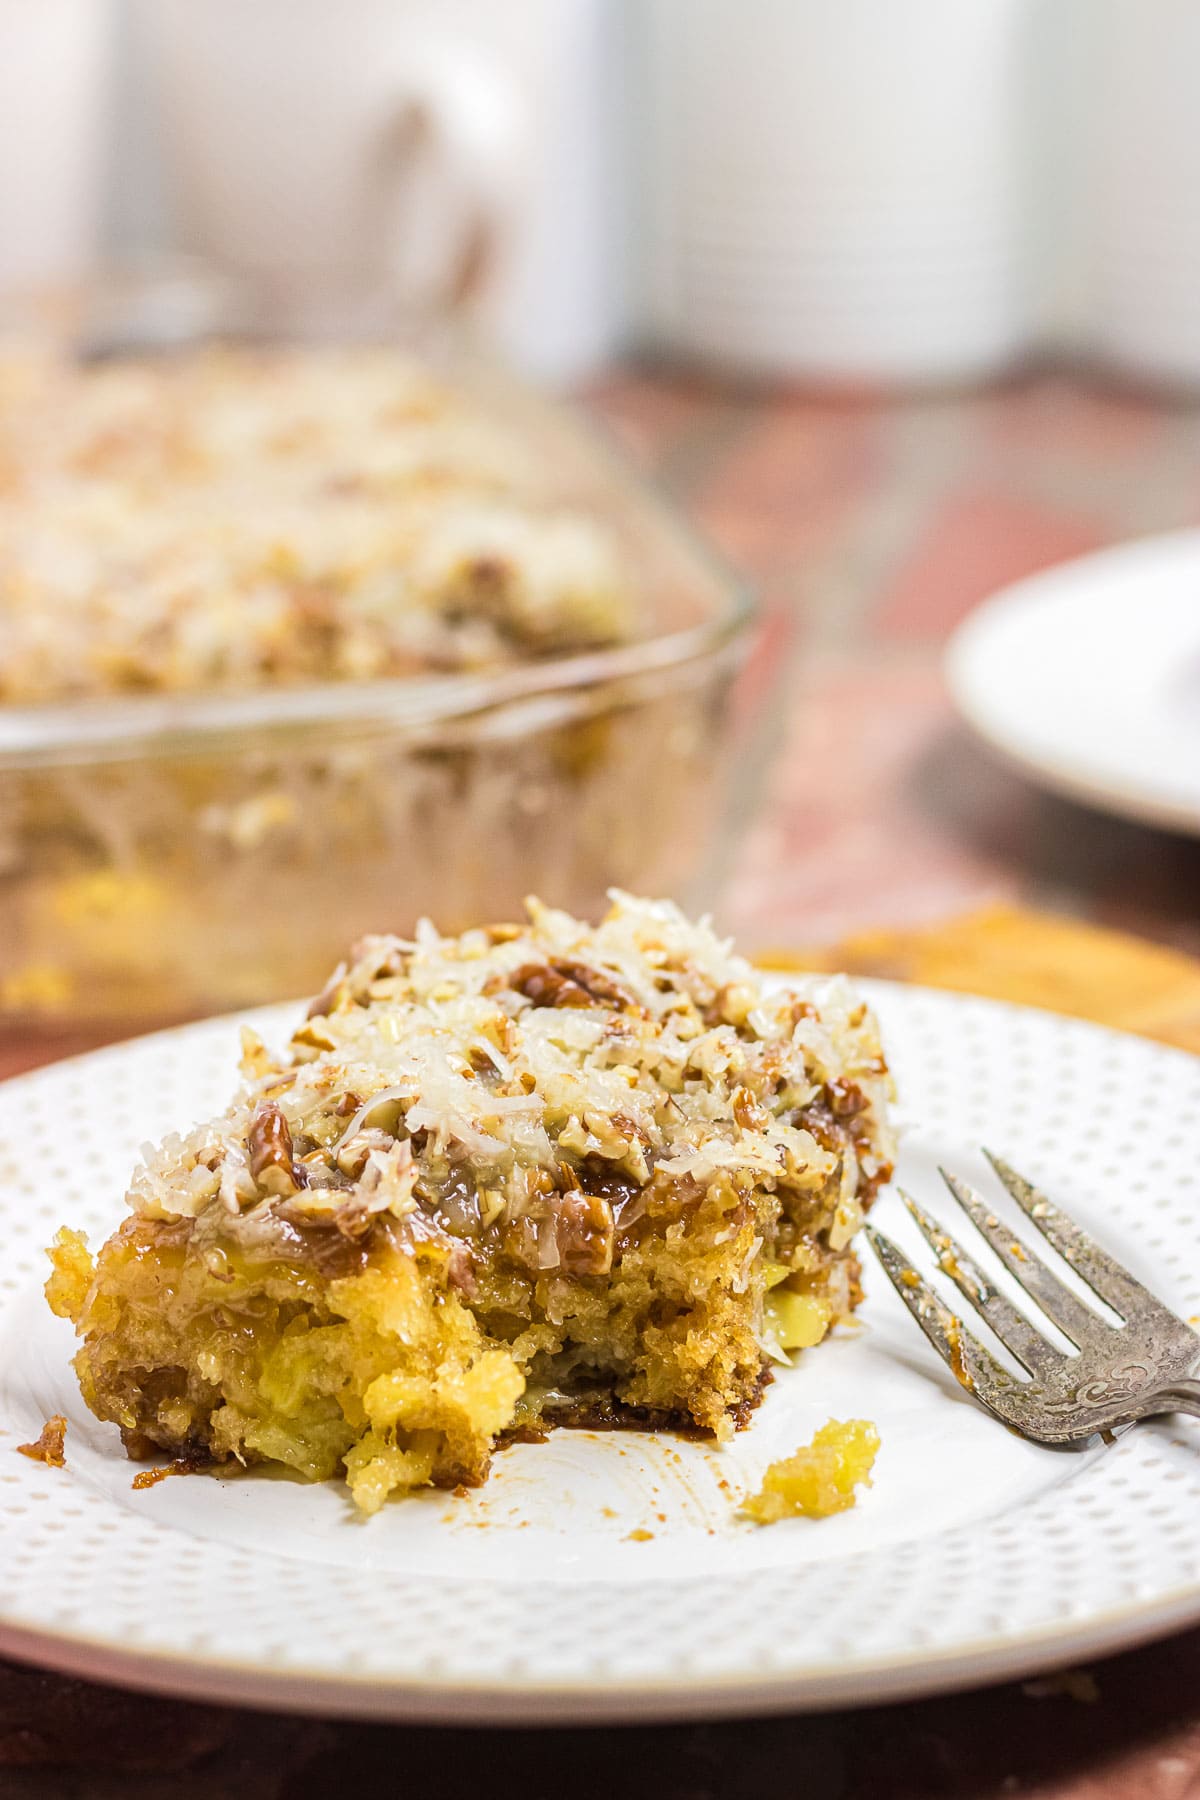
<point>233,519</point>
<point>533,1079</point>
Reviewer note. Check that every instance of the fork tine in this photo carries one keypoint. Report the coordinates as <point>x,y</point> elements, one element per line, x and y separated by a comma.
<point>968,1361</point>
<point>1103,1274</point>
<point>1010,1326</point>
<point>1070,1314</point>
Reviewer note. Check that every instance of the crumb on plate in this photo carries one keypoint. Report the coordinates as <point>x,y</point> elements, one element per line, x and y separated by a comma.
<point>50,1447</point>
<point>821,1478</point>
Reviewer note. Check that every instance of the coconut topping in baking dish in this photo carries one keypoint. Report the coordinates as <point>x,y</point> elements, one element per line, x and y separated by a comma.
<point>231,519</point>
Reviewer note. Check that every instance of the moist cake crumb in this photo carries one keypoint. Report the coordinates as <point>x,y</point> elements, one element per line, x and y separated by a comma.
<point>539,1174</point>
<point>819,1479</point>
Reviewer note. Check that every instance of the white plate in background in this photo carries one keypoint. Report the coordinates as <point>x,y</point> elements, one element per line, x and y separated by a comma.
<point>974,1556</point>
<point>1087,677</point>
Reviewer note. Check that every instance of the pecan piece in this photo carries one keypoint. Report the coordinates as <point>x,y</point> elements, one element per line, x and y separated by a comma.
<point>747,1111</point>
<point>601,986</point>
<point>562,982</point>
<point>584,1228</point>
<point>270,1146</point>
<point>545,986</point>
<point>354,1218</point>
<point>844,1098</point>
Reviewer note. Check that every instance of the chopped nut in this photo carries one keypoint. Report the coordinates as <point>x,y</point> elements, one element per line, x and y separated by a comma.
<point>562,982</point>
<point>735,1001</point>
<point>544,986</point>
<point>747,1111</point>
<point>270,1148</point>
<point>584,1224</point>
<point>255,1058</point>
<point>539,1183</point>
<point>386,1184</point>
<point>351,1156</point>
<point>201,1184</point>
<point>311,1037</point>
<point>844,1098</point>
<point>599,985</point>
<point>354,1219</point>
<point>491,1205</point>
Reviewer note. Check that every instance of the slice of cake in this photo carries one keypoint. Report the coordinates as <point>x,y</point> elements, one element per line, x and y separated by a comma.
<point>535,1175</point>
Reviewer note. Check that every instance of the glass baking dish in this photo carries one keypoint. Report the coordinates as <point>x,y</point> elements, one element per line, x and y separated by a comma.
<point>167,856</point>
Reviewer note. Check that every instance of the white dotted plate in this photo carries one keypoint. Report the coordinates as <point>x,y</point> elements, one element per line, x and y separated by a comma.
<point>607,1576</point>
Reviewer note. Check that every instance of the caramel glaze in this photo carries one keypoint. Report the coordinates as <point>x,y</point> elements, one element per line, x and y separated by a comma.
<point>601,1412</point>
<point>449,1214</point>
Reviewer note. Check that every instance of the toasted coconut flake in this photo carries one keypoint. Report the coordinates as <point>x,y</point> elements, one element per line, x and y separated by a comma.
<point>669,1059</point>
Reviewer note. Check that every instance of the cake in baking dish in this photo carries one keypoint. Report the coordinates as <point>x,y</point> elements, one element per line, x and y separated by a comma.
<point>228,519</point>
<point>538,1174</point>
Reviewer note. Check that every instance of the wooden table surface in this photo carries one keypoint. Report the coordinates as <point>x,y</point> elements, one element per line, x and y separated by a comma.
<point>872,526</point>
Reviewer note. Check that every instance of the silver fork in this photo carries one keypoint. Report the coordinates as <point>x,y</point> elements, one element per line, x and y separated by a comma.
<point>1121,1372</point>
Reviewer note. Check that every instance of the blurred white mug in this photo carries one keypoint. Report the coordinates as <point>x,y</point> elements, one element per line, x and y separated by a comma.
<point>394,147</point>
<point>54,87</point>
<point>1141,202</point>
<point>840,189</point>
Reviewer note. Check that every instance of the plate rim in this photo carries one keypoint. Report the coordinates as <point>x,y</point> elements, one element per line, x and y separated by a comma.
<point>983,1662</point>
<point>1065,777</point>
<point>843,1683</point>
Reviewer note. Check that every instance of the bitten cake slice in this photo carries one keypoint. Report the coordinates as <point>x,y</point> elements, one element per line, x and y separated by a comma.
<point>538,1174</point>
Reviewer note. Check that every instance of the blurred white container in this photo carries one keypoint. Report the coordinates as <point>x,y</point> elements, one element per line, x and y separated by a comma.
<point>841,190</point>
<point>54,69</point>
<point>444,152</point>
<point>1143,186</point>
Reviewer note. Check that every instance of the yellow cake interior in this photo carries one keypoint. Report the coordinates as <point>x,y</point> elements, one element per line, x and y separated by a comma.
<point>536,1175</point>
